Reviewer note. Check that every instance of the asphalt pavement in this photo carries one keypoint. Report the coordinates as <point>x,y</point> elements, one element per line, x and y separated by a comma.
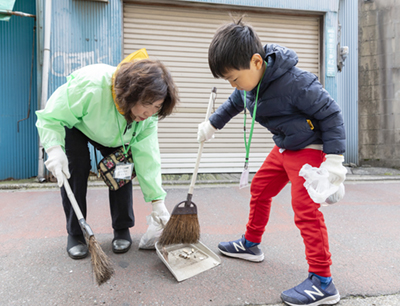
<point>363,228</point>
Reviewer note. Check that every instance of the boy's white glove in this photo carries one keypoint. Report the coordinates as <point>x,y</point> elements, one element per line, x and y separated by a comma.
<point>57,163</point>
<point>319,187</point>
<point>337,196</point>
<point>156,221</point>
<point>206,131</point>
<point>333,164</point>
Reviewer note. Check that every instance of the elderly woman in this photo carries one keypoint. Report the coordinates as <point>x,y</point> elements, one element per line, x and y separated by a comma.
<point>110,108</point>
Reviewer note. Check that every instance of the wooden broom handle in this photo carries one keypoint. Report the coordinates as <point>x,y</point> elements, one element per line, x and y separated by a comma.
<point>196,167</point>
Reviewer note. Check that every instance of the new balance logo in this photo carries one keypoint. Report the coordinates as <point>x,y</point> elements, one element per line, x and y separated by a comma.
<point>312,293</point>
<point>239,246</point>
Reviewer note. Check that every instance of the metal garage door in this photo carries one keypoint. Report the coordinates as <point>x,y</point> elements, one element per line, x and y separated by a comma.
<point>179,37</point>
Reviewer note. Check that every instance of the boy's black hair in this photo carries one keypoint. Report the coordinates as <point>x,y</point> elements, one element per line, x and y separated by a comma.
<point>232,47</point>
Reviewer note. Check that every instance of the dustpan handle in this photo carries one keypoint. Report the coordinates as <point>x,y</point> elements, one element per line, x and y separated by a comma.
<point>72,199</point>
<point>196,167</point>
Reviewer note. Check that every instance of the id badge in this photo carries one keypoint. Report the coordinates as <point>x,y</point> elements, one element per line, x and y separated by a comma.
<point>123,171</point>
<point>244,178</point>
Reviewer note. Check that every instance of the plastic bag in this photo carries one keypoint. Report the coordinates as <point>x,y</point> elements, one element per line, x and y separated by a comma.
<point>337,196</point>
<point>156,226</point>
<point>318,185</point>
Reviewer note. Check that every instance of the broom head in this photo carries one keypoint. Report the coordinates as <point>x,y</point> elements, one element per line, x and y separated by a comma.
<point>183,226</point>
<point>101,264</point>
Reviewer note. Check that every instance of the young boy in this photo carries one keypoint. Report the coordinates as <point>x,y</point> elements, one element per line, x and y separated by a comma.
<point>307,127</point>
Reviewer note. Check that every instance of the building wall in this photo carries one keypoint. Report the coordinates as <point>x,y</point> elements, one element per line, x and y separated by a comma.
<point>347,78</point>
<point>93,35</point>
<point>338,84</point>
<point>18,99</point>
<point>86,32</point>
<point>379,83</point>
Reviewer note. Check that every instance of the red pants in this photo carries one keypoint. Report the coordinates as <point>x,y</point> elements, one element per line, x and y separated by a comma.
<point>277,170</point>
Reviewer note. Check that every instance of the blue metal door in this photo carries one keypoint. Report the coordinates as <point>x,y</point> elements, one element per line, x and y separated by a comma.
<point>18,94</point>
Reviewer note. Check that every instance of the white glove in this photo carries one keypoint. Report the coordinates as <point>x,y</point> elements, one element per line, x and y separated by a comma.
<point>206,131</point>
<point>57,163</point>
<point>337,196</point>
<point>156,221</point>
<point>160,212</point>
<point>333,164</point>
<point>319,187</point>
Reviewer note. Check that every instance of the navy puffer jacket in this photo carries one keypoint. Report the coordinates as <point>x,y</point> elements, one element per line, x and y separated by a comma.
<point>288,97</point>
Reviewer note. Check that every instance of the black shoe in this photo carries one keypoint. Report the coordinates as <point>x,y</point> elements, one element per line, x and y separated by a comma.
<point>79,251</point>
<point>122,241</point>
<point>76,247</point>
<point>121,245</point>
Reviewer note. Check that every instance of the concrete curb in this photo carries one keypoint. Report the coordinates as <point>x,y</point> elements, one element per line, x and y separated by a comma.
<point>355,177</point>
<point>184,180</point>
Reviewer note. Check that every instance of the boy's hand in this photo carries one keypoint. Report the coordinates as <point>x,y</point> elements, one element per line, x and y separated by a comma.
<point>57,163</point>
<point>333,164</point>
<point>206,131</point>
<point>337,196</point>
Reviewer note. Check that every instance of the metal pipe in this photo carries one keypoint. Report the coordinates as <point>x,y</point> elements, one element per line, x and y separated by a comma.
<point>30,82</point>
<point>21,14</point>
<point>45,80</point>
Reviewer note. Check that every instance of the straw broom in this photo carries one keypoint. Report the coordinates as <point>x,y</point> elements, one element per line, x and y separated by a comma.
<point>101,264</point>
<point>183,225</point>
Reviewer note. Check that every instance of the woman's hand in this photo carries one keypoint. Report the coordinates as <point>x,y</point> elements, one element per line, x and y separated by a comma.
<point>57,163</point>
<point>156,221</point>
<point>160,211</point>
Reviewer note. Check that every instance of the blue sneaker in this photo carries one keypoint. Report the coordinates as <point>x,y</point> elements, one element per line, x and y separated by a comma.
<point>310,293</point>
<point>238,249</point>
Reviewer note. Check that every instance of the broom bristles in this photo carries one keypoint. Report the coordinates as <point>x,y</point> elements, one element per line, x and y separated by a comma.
<point>101,264</point>
<point>181,229</point>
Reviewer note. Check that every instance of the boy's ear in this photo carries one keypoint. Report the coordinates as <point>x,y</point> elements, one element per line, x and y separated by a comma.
<point>257,60</point>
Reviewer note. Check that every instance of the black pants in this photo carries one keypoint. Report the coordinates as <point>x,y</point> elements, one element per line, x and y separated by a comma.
<point>78,154</point>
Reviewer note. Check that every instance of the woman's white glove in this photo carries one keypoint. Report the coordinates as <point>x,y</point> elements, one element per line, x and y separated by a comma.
<point>333,164</point>
<point>57,163</point>
<point>206,131</point>
<point>160,211</point>
<point>156,221</point>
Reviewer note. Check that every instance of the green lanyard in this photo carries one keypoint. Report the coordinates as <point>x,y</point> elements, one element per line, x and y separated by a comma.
<point>247,145</point>
<point>126,149</point>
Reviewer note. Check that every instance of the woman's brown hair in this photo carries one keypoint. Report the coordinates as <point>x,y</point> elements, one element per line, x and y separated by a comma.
<point>145,81</point>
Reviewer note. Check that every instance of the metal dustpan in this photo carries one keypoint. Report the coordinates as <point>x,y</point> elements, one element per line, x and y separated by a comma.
<point>187,260</point>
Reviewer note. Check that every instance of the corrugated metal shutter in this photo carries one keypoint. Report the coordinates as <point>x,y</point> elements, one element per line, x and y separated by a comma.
<point>180,37</point>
